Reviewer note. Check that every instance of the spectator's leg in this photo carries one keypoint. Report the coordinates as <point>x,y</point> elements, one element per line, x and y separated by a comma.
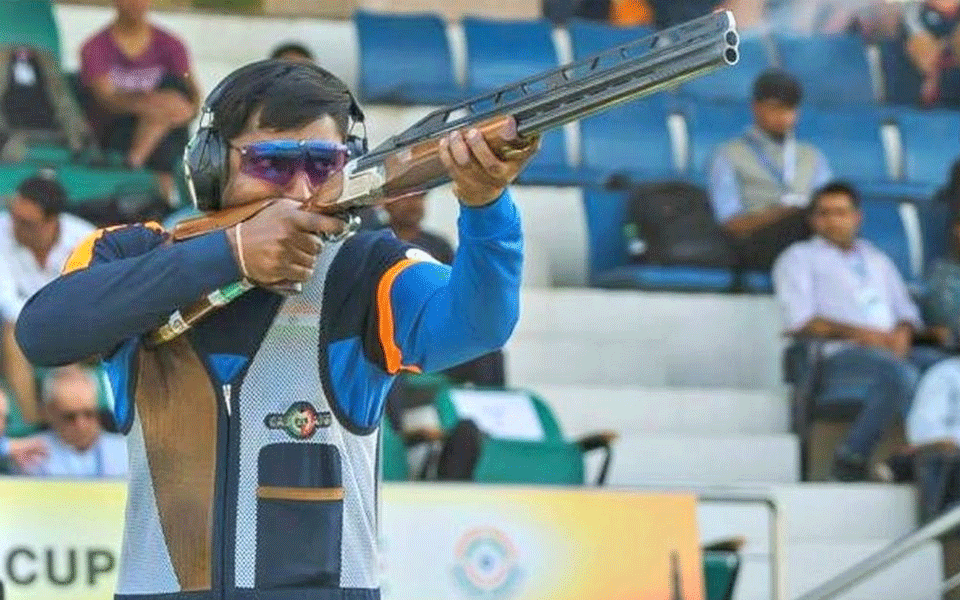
<point>891,382</point>
<point>146,137</point>
<point>19,374</point>
<point>932,474</point>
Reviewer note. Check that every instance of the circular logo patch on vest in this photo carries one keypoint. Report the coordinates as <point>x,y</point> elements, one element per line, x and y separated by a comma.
<point>300,421</point>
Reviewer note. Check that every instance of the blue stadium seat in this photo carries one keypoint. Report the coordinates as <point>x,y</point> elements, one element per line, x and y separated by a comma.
<point>609,263</point>
<point>884,225</point>
<point>710,124</point>
<point>592,37</point>
<point>500,52</point>
<point>733,83</point>
<point>550,165</point>
<point>901,79</point>
<point>405,59</point>
<point>832,69</point>
<point>931,144</point>
<point>631,139</point>
<point>29,23</point>
<point>849,138</point>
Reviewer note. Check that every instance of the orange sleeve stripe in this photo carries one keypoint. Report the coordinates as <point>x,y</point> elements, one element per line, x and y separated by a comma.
<point>385,309</point>
<point>82,255</point>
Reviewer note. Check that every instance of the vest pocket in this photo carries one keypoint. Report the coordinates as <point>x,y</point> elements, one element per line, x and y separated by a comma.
<point>299,516</point>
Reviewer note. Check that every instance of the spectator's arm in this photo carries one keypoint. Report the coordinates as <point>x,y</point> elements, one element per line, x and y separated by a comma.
<point>19,375</point>
<point>728,205</point>
<point>116,101</point>
<point>904,309</point>
<point>724,189</point>
<point>927,421</point>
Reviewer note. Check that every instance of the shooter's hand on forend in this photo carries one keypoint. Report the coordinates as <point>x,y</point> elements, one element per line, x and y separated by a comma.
<point>281,242</point>
<point>479,175</point>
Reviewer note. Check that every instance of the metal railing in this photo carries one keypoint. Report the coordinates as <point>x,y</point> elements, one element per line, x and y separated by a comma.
<point>887,556</point>
<point>740,495</point>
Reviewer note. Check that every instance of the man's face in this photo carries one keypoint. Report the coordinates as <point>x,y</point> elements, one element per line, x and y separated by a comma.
<point>836,219</point>
<point>134,10</point>
<point>243,189</point>
<point>407,212</point>
<point>775,117</point>
<point>31,228</point>
<point>73,412</point>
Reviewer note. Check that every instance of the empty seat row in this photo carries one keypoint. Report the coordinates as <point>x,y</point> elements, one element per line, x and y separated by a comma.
<point>870,145</point>
<point>407,59</point>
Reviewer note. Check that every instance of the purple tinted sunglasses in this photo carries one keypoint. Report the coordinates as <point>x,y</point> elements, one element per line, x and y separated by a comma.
<point>277,161</point>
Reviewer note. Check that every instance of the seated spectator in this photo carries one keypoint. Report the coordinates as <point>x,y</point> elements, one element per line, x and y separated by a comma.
<point>933,431</point>
<point>292,51</point>
<point>842,289</point>
<point>932,41</point>
<point>139,76</point>
<point>18,455</point>
<point>760,182</point>
<point>78,445</point>
<point>36,238</point>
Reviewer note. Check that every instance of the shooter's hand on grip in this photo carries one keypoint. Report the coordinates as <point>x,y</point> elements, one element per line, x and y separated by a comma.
<point>479,175</point>
<point>281,243</point>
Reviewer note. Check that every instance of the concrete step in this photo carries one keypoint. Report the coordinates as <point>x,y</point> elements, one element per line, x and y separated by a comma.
<point>633,410</point>
<point>916,576</point>
<point>646,339</point>
<point>727,460</point>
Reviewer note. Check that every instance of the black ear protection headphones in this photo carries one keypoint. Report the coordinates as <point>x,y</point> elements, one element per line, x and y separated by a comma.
<point>206,157</point>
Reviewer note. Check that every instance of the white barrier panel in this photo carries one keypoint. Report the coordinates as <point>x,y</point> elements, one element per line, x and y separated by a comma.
<point>61,540</point>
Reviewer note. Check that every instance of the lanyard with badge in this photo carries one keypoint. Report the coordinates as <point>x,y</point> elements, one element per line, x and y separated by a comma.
<point>875,311</point>
<point>784,175</point>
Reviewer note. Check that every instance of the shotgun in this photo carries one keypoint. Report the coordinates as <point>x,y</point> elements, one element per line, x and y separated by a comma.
<point>510,119</point>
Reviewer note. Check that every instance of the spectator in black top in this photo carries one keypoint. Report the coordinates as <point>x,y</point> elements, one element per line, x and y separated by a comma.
<point>405,217</point>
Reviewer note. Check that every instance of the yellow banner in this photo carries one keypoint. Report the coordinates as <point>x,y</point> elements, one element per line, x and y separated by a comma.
<point>61,540</point>
<point>455,542</point>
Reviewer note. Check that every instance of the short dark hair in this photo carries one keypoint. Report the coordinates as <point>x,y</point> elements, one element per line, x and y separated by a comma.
<point>291,47</point>
<point>835,187</point>
<point>777,84</point>
<point>46,192</point>
<point>288,94</point>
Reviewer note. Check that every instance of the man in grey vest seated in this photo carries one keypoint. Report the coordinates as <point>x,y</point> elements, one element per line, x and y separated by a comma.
<point>760,181</point>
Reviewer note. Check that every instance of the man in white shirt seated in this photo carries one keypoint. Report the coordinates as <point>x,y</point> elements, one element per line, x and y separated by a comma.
<point>77,445</point>
<point>36,238</point>
<point>933,431</point>
<point>841,288</point>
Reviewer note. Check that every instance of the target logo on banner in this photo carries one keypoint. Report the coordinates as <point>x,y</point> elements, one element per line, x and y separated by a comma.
<point>487,564</point>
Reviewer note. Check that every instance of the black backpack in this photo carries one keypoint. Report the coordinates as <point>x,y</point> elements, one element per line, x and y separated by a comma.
<point>671,223</point>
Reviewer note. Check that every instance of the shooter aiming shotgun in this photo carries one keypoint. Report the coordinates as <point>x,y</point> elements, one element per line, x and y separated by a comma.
<point>510,119</point>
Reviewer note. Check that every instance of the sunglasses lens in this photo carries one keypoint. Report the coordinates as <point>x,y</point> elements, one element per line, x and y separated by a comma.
<point>278,161</point>
<point>275,162</point>
<point>323,160</point>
